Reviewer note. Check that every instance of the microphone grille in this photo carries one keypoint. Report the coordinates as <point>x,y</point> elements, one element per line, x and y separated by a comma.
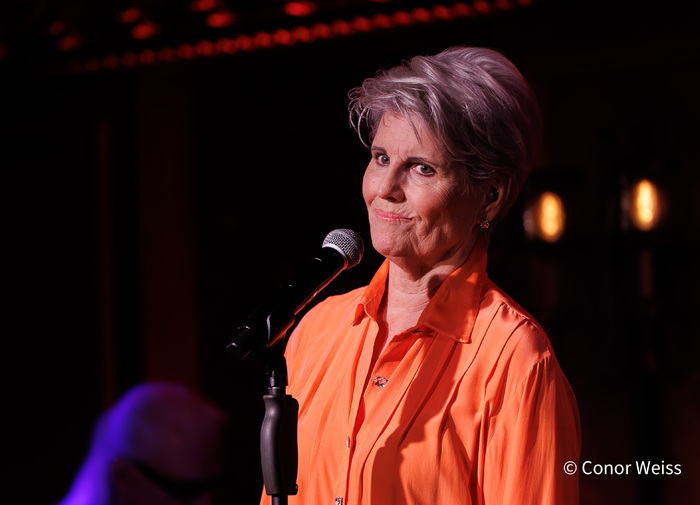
<point>349,243</point>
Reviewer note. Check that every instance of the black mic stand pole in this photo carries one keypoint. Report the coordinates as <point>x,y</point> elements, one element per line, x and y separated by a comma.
<point>278,436</point>
<point>265,335</point>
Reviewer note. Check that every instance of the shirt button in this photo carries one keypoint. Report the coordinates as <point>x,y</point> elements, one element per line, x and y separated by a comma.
<point>380,381</point>
<point>338,501</point>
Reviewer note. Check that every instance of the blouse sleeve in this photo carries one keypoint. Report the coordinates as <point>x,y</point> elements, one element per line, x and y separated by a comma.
<point>533,438</point>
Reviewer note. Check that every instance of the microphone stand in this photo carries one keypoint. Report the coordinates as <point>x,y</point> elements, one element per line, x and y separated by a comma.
<point>341,249</point>
<point>278,436</point>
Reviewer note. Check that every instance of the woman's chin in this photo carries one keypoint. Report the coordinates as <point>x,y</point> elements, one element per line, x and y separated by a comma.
<point>388,245</point>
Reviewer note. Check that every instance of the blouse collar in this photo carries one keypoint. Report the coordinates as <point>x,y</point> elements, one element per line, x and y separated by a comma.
<point>453,308</point>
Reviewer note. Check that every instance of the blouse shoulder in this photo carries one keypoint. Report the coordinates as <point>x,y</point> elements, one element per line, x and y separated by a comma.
<point>512,321</point>
<point>511,341</point>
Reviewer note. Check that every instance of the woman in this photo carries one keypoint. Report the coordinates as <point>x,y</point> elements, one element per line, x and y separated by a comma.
<point>430,385</point>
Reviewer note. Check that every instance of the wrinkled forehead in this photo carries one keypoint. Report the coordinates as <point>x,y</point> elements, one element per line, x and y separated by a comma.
<point>409,133</point>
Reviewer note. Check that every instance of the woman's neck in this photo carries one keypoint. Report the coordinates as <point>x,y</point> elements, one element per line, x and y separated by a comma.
<point>406,297</point>
<point>409,290</point>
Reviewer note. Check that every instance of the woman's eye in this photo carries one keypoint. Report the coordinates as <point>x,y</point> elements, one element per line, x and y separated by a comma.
<point>382,159</point>
<point>424,169</point>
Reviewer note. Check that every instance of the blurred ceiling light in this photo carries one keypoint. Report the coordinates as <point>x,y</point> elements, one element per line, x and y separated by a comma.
<point>300,9</point>
<point>545,218</point>
<point>203,5</point>
<point>130,15</point>
<point>69,42</point>
<point>645,205</point>
<point>144,30</point>
<point>221,18</point>
<point>57,28</point>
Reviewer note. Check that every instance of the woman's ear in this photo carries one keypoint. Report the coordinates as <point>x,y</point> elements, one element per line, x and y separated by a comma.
<point>496,195</point>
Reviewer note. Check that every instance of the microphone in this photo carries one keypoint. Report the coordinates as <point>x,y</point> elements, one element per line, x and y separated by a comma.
<point>341,249</point>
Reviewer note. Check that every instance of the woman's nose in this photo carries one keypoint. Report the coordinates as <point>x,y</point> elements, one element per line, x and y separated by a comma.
<point>391,185</point>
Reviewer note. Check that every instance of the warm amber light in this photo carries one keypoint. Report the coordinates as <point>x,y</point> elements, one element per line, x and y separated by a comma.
<point>550,217</point>
<point>545,218</point>
<point>645,209</point>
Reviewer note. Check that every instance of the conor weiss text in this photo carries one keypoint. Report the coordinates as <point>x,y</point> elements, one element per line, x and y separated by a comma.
<point>636,468</point>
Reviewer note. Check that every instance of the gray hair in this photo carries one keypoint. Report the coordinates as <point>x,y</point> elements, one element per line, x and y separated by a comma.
<point>475,104</point>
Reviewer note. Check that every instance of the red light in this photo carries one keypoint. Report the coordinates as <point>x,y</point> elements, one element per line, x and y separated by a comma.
<point>69,42</point>
<point>442,12</point>
<point>144,30</point>
<point>282,36</point>
<point>227,46</point>
<point>57,28</point>
<point>321,31</point>
<point>504,5</point>
<point>263,39</point>
<point>361,24</point>
<point>185,51</point>
<point>525,2</point>
<point>206,48</point>
<point>421,15</point>
<point>92,65</point>
<point>166,54</point>
<point>300,9</point>
<point>482,6</point>
<point>461,9</point>
<point>130,15</point>
<point>147,57</point>
<point>246,43</point>
<point>129,60</point>
<point>402,18</point>
<point>341,27</point>
<point>221,19</point>
<point>302,34</point>
<point>110,61</point>
<point>202,5</point>
<point>3,51</point>
<point>382,21</point>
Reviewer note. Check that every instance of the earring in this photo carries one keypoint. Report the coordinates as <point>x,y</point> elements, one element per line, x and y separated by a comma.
<point>484,224</point>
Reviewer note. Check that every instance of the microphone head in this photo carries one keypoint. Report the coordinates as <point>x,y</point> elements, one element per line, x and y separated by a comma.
<point>348,243</point>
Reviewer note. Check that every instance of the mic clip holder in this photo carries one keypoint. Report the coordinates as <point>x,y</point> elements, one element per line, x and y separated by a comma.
<point>262,331</point>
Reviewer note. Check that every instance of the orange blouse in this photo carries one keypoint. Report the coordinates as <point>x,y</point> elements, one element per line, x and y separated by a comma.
<point>468,407</point>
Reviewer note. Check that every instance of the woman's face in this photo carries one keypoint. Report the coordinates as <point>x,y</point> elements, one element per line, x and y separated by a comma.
<point>420,211</point>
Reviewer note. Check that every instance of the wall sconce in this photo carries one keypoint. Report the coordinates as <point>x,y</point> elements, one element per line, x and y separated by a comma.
<point>545,218</point>
<point>644,205</point>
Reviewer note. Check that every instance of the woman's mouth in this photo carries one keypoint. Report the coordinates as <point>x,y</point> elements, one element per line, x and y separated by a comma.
<point>389,216</point>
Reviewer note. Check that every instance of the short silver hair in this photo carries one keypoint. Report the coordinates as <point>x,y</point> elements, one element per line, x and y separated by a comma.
<point>475,104</point>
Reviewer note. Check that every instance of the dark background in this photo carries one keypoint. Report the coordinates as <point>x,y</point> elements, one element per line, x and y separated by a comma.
<point>149,208</point>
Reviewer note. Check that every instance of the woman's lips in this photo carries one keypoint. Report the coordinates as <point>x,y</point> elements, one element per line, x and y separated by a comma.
<point>389,216</point>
